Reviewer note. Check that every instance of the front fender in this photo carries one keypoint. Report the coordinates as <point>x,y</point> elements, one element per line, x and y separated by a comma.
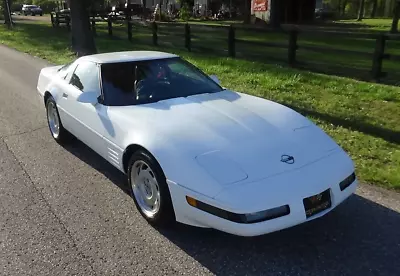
<point>177,165</point>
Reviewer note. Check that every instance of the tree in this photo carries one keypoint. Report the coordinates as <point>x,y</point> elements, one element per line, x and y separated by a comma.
<point>396,15</point>
<point>82,38</point>
<point>374,8</point>
<point>7,13</point>
<point>361,11</point>
<point>275,19</point>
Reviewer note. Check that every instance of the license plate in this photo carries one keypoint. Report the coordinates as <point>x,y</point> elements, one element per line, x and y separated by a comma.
<point>317,203</point>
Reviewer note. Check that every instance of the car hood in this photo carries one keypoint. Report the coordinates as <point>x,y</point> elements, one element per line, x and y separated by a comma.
<point>232,136</point>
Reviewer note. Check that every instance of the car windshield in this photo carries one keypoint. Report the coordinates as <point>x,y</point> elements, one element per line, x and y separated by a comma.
<point>133,83</point>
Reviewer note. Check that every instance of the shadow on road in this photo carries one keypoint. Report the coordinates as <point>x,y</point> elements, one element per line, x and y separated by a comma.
<point>360,237</point>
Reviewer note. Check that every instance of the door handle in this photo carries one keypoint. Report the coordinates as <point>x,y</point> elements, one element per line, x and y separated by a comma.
<point>65,95</point>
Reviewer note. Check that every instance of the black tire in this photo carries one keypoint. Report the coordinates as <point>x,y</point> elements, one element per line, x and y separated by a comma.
<point>64,136</point>
<point>165,216</point>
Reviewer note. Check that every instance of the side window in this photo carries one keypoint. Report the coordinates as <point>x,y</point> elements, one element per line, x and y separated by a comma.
<point>66,71</point>
<point>118,83</point>
<point>86,77</point>
<point>182,69</point>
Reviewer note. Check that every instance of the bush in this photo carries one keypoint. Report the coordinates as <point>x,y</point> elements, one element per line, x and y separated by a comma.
<point>164,17</point>
<point>1,13</point>
<point>184,12</point>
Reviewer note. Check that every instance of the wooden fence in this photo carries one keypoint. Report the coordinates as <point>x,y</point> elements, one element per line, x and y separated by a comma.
<point>292,46</point>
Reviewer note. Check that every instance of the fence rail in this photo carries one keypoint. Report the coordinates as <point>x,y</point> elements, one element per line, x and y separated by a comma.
<point>184,33</point>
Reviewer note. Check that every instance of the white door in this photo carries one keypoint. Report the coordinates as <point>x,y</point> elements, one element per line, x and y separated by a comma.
<point>87,121</point>
<point>59,91</point>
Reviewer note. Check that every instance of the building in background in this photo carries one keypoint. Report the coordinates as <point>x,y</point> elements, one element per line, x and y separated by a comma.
<point>284,11</point>
<point>261,9</point>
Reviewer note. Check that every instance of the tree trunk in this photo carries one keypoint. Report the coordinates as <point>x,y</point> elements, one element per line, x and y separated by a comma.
<point>82,38</point>
<point>7,13</point>
<point>344,7</point>
<point>275,13</point>
<point>396,16</point>
<point>361,11</point>
<point>374,8</point>
<point>388,8</point>
<point>247,11</point>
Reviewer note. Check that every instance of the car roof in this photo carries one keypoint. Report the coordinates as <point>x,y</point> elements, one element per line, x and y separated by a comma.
<point>127,56</point>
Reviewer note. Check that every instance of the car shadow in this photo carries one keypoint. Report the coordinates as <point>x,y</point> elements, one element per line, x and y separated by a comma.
<point>360,237</point>
<point>87,155</point>
<point>357,238</point>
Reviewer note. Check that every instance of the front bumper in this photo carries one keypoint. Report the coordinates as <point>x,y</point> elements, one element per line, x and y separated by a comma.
<point>273,192</point>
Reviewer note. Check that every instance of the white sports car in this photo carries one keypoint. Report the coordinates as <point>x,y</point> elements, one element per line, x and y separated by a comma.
<point>193,151</point>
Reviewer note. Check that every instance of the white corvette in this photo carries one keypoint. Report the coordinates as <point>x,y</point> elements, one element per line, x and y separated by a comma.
<point>194,152</point>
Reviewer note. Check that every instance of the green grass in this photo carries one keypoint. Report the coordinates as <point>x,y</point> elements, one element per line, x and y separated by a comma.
<point>362,117</point>
<point>369,24</point>
<point>357,66</point>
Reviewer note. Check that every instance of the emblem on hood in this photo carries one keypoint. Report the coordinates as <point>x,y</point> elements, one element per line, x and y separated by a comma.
<point>287,159</point>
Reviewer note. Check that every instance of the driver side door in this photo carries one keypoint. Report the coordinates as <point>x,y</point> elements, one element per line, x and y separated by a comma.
<point>86,122</point>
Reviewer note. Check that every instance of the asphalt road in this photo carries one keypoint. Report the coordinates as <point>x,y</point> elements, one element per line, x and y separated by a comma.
<point>64,211</point>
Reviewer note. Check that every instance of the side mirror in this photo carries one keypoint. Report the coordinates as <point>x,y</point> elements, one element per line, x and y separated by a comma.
<point>215,78</point>
<point>88,97</point>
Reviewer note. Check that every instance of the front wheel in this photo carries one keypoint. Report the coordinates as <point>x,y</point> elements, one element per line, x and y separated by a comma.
<point>149,189</point>
<point>59,133</point>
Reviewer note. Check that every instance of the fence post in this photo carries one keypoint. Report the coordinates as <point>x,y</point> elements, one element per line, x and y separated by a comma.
<point>292,48</point>
<point>94,26</point>
<point>57,20</point>
<point>231,41</point>
<point>187,37</point>
<point>68,21</point>
<point>130,30</point>
<point>155,37</point>
<point>110,30</point>
<point>379,55</point>
<point>52,19</point>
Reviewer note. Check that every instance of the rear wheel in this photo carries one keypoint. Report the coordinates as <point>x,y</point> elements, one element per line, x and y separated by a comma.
<point>149,189</point>
<point>59,133</point>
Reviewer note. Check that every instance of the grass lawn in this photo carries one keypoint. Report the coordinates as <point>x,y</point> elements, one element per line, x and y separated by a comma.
<point>206,38</point>
<point>369,24</point>
<point>362,117</point>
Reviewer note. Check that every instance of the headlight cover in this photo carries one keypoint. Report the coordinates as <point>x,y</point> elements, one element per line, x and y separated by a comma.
<point>221,167</point>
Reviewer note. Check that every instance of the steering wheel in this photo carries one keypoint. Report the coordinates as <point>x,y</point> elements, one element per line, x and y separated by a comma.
<point>145,88</point>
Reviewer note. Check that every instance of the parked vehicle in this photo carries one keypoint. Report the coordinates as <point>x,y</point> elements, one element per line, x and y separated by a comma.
<point>324,13</point>
<point>32,10</point>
